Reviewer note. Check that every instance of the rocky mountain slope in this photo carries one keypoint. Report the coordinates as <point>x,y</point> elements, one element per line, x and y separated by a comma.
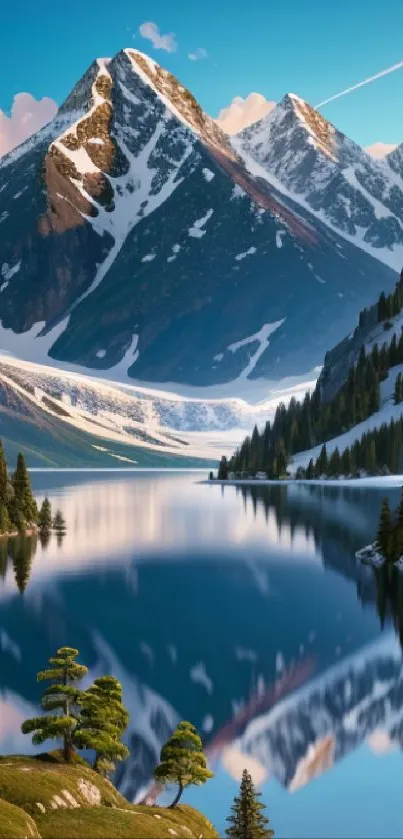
<point>305,155</point>
<point>134,240</point>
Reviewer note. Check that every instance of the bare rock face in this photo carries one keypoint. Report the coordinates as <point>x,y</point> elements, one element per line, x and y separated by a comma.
<point>134,233</point>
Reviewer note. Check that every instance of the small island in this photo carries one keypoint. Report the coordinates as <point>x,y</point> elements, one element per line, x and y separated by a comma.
<point>387,549</point>
<point>19,512</point>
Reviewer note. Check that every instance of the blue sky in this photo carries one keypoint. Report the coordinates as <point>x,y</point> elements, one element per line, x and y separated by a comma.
<point>308,47</point>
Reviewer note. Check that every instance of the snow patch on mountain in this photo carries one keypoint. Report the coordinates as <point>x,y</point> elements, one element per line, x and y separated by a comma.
<point>197,231</point>
<point>262,337</point>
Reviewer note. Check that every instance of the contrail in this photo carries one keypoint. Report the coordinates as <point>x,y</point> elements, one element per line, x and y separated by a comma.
<point>361,84</point>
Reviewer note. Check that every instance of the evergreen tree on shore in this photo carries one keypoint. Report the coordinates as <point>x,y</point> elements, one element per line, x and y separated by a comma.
<point>63,695</point>
<point>223,469</point>
<point>3,476</point>
<point>182,760</point>
<point>59,523</point>
<point>398,392</point>
<point>102,723</point>
<point>24,502</point>
<point>247,820</point>
<point>45,515</point>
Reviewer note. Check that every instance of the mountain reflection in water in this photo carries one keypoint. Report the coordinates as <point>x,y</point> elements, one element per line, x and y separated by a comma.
<point>241,609</point>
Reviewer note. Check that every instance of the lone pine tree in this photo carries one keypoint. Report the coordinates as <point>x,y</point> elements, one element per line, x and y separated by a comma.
<point>24,502</point>
<point>223,469</point>
<point>398,392</point>
<point>3,476</point>
<point>62,695</point>
<point>103,721</point>
<point>247,820</point>
<point>45,515</point>
<point>59,521</point>
<point>182,760</point>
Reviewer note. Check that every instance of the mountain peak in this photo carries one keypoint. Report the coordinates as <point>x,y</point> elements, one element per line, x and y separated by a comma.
<point>322,133</point>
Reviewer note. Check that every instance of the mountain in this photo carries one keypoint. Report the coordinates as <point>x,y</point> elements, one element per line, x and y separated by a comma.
<point>302,153</point>
<point>134,240</point>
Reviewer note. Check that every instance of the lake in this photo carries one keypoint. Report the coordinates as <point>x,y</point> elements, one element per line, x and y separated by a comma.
<point>241,610</point>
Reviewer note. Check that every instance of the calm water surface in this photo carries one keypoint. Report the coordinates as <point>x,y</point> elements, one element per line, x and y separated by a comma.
<point>242,611</point>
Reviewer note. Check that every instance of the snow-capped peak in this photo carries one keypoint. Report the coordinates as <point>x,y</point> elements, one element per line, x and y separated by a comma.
<point>178,100</point>
<point>299,152</point>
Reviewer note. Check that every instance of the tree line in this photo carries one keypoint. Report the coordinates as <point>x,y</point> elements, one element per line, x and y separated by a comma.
<point>18,508</point>
<point>305,424</point>
<point>389,539</point>
<point>95,719</point>
<point>378,450</point>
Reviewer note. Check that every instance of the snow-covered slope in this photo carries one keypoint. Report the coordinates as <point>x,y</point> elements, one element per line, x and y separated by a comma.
<point>134,240</point>
<point>133,416</point>
<point>305,155</point>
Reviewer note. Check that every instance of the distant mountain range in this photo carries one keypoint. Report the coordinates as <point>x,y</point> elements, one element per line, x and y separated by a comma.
<point>136,238</point>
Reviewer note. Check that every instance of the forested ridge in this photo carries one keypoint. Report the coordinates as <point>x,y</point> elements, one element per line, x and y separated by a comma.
<point>306,424</point>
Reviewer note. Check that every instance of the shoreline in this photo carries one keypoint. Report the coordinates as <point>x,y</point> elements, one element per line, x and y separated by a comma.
<point>10,533</point>
<point>370,481</point>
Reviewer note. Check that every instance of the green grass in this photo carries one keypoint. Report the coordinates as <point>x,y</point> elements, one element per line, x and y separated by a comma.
<point>44,797</point>
<point>133,823</point>
<point>29,782</point>
<point>15,824</point>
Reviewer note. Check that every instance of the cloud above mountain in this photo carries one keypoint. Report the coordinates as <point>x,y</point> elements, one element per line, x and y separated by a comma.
<point>380,150</point>
<point>198,54</point>
<point>243,112</point>
<point>151,32</point>
<point>27,116</point>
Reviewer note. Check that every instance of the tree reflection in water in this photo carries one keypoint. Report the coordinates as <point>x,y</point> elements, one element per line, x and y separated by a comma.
<point>19,551</point>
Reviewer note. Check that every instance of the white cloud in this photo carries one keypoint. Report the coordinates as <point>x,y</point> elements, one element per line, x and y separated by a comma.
<point>27,116</point>
<point>151,32</point>
<point>380,742</point>
<point>198,54</point>
<point>243,112</point>
<point>380,150</point>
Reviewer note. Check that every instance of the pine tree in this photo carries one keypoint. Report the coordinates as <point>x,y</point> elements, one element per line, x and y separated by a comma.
<point>62,695</point>
<point>247,820</point>
<point>24,501</point>
<point>59,522</point>
<point>322,462</point>
<point>3,476</point>
<point>385,529</point>
<point>310,471</point>
<point>103,721</point>
<point>5,524</point>
<point>398,392</point>
<point>45,515</point>
<point>182,760</point>
<point>223,469</point>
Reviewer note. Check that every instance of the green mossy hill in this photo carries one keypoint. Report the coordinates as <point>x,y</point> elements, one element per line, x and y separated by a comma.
<point>36,783</point>
<point>133,823</point>
<point>45,797</point>
<point>15,823</point>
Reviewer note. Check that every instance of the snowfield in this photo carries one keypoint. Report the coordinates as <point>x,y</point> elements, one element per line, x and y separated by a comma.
<point>204,426</point>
